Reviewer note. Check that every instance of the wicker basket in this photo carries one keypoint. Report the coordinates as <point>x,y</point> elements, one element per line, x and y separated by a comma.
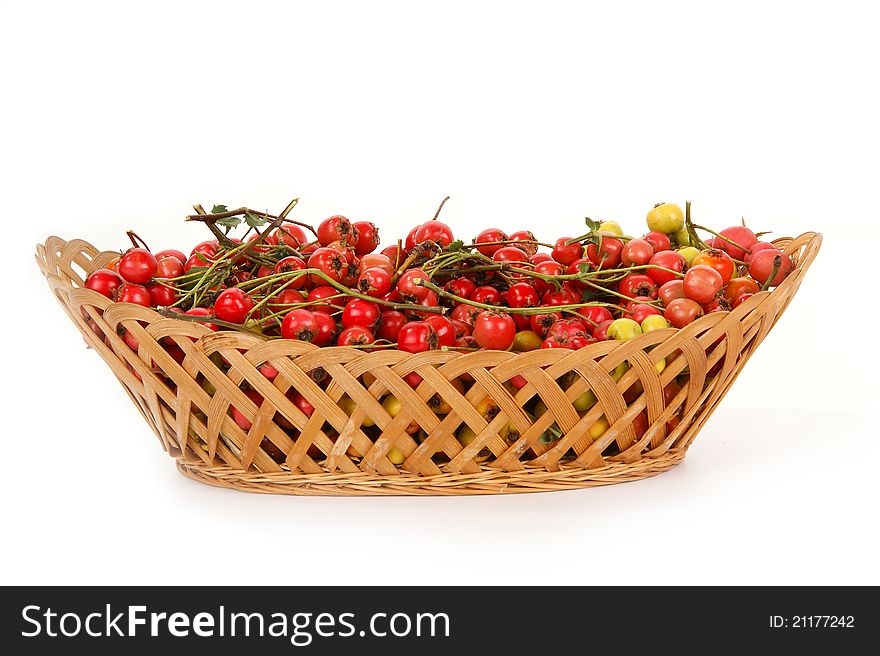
<point>334,453</point>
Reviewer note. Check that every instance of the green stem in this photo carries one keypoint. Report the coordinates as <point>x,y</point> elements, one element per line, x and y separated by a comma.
<point>722,237</point>
<point>509,310</point>
<point>777,263</point>
<point>265,300</point>
<point>508,242</point>
<point>602,274</point>
<point>209,319</point>
<point>380,301</point>
<point>223,258</point>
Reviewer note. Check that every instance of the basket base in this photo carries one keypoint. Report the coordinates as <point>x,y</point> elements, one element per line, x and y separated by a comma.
<point>489,481</point>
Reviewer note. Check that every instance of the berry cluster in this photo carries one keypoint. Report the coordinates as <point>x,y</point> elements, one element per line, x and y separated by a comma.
<point>429,290</point>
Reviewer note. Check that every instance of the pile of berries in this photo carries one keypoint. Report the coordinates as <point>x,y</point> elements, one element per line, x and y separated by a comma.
<point>330,285</point>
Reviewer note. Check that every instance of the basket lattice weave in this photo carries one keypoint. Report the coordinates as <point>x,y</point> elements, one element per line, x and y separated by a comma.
<point>334,453</point>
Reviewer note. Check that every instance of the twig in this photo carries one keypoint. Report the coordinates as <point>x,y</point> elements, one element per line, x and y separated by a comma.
<point>289,207</point>
<point>133,236</point>
<point>437,213</point>
<point>201,215</point>
<point>198,318</point>
<point>229,213</point>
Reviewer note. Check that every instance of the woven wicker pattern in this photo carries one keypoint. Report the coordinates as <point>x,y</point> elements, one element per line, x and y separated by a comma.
<point>186,400</point>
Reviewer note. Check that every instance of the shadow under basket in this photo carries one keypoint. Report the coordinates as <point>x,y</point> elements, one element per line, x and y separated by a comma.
<point>185,378</point>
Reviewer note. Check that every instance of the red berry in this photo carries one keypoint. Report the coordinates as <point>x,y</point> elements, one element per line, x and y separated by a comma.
<point>283,300</point>
<point>525,240</point>
<point>137,294</point>
<point>394,255</point>
<point>169,267</point>
<point>243,422</point>
<point>494,331</point>
<point>367,237</point>
<point>548,268</point>
<point>510,254</point>
<point>565,253</point>
<point>336,228</point>
<point>233,305</point>
<point>326,329</point>
<point>105,282</point>
<point>742,237</point>
<point>600,331</point>
<point>718,260</point>
<point>737,287</point>
<point>389,325</point>
<point>757,248</point>
<point>376,261</point>
<point>137,265</point>
<point>330,262</point>
<point>637,252</point>
<point>669,291</point>
<point>359,312</point>
<point>562,296</point>
<point>288,265</point>
<point>541,323</point>
<point>289,234</point>
<point>579,267</point>
<point>552,342</point>
<point>434,231</point>
<point>299,324</point>
<point>537,258</point>
<point>196,260</point>
<point>521,295</point>
<point>580,341</point>
<point>302,404</point>
<point>207,248</point>
<point>430,301</point>
<point>443,327</point>
<point>717,304</point>
<point>464,313</point>
<point>410,241</point>
<point>702,283</point>
<point>409,287</point>
<point>355,336</point>
<point>161,295</point>
<point>202,312</point>
<point>462,329</point>
<point>742,298</point>
<point>606,254</point>
<point>566,329</point>
<point>638,311</point>
<point>487,294</point>
<point>682,311</point>
<point>416,337</point>
<point>672,260</point>
<point>171,252</point>
<point>762,263</point>
<point>466,343</point>
<point>594,315</point>
<point>659,241</point>
<point>463,287</point>
<point>638,284</point>
<point>374,282</point>
<point>490,237</point>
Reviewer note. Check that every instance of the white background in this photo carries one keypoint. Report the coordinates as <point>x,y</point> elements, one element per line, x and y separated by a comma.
<point>530,115</point>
